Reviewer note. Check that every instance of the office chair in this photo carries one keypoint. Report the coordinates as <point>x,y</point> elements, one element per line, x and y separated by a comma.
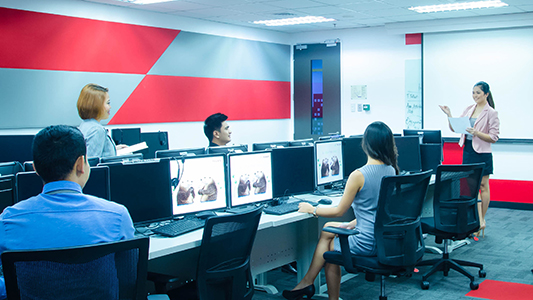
<point>224,262</point>
<point>397,230</point>
<point>455,217</point>
<point>115,270</point>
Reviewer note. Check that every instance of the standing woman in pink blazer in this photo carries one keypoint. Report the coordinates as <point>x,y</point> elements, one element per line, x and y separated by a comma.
<point>477,144</point>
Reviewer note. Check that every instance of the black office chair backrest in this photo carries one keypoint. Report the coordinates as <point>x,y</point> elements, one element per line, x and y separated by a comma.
<point>10,168</point>
<point>115,270</point>
<point>224,262</point>
<point>397,229</point>
<point>455,198</point>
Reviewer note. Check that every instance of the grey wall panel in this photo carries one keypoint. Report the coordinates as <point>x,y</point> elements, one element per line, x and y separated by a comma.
<point>38,98</point>
<point>202,55</point>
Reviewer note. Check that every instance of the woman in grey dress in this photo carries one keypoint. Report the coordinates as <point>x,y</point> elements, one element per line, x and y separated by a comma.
<point>361,193</point>
<point>93,106</point>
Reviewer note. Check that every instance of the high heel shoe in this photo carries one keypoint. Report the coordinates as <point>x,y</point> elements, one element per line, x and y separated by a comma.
<point>481,231</point>
<point>307,291</point>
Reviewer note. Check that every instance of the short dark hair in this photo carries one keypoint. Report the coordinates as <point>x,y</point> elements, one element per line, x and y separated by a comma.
<point>212,123</point>
<point>55,151</point>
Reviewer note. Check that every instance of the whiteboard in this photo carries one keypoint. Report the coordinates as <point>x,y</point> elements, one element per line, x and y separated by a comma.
<point>454,61</point>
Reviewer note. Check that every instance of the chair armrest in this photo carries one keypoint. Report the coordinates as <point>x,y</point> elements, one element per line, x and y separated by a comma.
<point>341,231</point>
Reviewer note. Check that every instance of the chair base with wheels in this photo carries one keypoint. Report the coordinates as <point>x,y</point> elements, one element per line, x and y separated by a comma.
<point>445,263</point>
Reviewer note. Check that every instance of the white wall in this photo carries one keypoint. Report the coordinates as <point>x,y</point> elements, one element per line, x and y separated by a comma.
<point>376,58</point>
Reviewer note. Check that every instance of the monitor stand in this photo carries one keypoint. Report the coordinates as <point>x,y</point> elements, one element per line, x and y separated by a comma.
<point>325,190</point>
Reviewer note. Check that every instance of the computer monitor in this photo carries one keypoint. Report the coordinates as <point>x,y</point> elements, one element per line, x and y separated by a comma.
<point>29,184</point>
<point>93,161</point>
<point>293,170</point>
<point>303,142</point>
<point>330,137</point>
<point>408,153</point>
<point>7,191</point>
<point>198,184</point>
<point>250,178</point>
<point>16,148</point>
<point>271,145</point>
<point>428,136</point>
<point>126,136</point>
<point>156,141</point>
<point>179,152</point>
<point>10,168</point>
<point>431,156</point>
<point>328,162</point>
<point>144,188</point>
<point>227,149</point>
<point>120,158</point>
<point>353,155</point>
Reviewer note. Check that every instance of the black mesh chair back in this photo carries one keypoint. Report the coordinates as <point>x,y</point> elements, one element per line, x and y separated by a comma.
<point>10,168</point>
<point>455,199</point>
<point>397,230</point>
<point>115,270</point>
<point>224,263</point>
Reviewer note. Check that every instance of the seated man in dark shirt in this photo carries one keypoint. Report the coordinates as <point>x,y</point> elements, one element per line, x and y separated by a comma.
<point>61,216</point>
<point>217,130</point>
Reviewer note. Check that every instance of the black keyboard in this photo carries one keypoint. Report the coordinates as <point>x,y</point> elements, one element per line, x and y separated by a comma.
<point>177,227</point>
<point>283,208</point>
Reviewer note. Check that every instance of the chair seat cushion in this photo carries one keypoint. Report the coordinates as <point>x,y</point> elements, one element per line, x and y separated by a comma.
<point>364,263</point>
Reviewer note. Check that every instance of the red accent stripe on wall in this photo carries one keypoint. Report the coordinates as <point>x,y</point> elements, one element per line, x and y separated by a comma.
<point>413,39</point>
<point>32,40</point>
<point>162,99</point>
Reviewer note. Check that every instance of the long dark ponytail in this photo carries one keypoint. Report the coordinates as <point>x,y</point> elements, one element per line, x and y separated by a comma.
<point>378,143</point>
<point>486,89</point>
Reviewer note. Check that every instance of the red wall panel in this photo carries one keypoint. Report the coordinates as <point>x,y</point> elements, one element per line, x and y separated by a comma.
<point>32,40</point>
<point>160,99</point>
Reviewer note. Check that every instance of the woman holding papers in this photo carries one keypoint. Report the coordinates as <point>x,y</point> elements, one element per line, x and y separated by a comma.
<point>484,130</point>
<point>361,194</point>
<point>93,106</point>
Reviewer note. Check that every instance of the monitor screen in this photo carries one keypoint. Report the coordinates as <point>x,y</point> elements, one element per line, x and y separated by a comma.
<point>428,136</point>
<point>353,155</point>
<point>292,170</point>
<point>16,148</point>
<point>227,149</point>
<point>198,183</point>
<point>173,153</point>
<point>7,191</point>
<point>250,176</point>
<point>328,162</point>
<point>266,146</point>
<point>143,187</point>
<point>408,153</point>
<point>29,184</point>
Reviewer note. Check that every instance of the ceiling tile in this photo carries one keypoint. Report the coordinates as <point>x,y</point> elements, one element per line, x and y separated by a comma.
<point>294,4</point>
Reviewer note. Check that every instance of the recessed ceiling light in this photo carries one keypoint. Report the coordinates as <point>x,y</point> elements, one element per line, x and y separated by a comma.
<point>458,6</point>
<point>145,1</point>
<point>294,21</point>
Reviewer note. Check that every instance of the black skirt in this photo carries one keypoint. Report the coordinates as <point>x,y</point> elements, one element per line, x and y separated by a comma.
<point>471,157</point>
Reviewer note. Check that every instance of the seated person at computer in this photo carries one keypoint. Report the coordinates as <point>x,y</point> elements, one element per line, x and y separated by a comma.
<point>94,106</point>
<point>217,130</point>
<point>61,216</point>
<point>361,193</point>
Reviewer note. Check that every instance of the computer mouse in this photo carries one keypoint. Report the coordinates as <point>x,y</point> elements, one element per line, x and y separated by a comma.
<point>325,201</point>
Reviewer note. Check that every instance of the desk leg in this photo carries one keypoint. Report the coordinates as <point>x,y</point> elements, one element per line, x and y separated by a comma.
<point>307,239</point>
<point>262,284</point>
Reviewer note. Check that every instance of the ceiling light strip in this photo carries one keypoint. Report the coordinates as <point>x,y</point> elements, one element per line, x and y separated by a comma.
<point>458,6</point>
<point>294,21</point>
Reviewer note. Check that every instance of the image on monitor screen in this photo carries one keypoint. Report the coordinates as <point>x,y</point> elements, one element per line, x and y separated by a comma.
<point>250,176</point>
<point>328,162</point>
<point>198,184</point>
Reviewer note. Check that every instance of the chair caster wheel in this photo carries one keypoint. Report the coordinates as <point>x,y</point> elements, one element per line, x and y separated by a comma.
<point>424,285</point>
<point>474,285</point>
<point>482,274</point>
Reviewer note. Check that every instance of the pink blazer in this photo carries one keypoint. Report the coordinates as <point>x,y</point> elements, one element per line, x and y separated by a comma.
<point>487,122</point>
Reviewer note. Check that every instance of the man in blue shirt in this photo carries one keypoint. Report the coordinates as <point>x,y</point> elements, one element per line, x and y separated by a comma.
<point>61,216</point>
<point>217,130</point>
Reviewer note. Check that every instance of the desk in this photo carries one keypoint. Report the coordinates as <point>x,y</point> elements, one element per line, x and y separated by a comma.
<point>279,241</point>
